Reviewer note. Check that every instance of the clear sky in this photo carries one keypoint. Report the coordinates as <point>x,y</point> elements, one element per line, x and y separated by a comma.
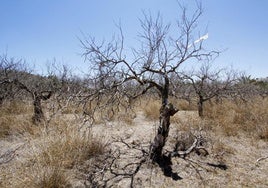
<point>41,30</point>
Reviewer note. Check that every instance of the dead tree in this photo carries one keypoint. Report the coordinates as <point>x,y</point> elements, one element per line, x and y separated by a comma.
<point>150,67</point>
<point>38,112</point>
<point>209,84</point>
<point>37,95</point>
<point>15,74</point>
<point>7,68</point>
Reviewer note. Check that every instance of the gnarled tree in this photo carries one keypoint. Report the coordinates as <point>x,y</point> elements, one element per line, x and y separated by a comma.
<point>149,66</point>
<point>208,84</point>
<point>16,76</point>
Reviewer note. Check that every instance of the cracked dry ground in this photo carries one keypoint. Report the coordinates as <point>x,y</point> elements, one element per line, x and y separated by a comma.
<point>127,144</point>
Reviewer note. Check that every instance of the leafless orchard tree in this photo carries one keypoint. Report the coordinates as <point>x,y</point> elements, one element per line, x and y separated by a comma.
<point>209,83</point>
<point>10,68</point>
<point>150,66</point>
<point>16,75</point>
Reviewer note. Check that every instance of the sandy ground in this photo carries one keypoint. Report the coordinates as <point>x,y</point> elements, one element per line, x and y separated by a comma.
<point>239,154</point>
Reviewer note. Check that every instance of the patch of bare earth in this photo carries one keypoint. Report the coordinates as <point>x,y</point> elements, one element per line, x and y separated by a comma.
<point>126,162</point>
<point>128,142</point>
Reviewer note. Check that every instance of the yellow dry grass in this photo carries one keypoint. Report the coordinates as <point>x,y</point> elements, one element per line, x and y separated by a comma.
<point>52,154</point>
<point>69,148</point>
<point>49,151</point>
<point>15,108</point>
<point>238,117</point>
<point>151,109</point>
<point>17,125</point>
<point>151,106</point>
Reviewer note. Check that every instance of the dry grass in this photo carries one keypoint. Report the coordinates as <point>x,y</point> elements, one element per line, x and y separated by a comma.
<point>17,125</point>
<point>55,155</point>
<point>15,108</point>
<point>51,151</point>
<point>48,158</point>
<point>151,109</point>
<point>69,148</point>
<point>240,117</point>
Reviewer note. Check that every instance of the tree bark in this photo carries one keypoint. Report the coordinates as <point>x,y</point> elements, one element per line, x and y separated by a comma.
<point>166,111</point>
<point>162,133</point>
<point>38,111</point>
<point>200,105</point>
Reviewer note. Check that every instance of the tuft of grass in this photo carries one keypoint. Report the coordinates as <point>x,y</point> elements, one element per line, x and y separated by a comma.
<point>15,108</point>
<point>50,158</point>
<point>52,177</point>
<point>70,148</point>
<point>151,109</point>
<point>16,125</point>
<point>241,117</point>
<point>35,175</point>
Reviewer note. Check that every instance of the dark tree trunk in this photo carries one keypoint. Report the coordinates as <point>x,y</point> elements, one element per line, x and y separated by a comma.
<point>1,101</point>
<point>38,111</point>
<point>200,107</point>
<point>162,133</point>
<point>166,111</point>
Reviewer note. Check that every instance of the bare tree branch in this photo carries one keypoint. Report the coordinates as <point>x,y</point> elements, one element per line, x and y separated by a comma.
<point>150,67</point>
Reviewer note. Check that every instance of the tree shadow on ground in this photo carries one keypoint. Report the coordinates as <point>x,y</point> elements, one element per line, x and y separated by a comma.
<point>165,163</point>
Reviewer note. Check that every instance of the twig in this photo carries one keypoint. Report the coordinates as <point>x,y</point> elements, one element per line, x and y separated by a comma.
<point>8,155</point>
<point>262,158</point>
<point>194,147</point>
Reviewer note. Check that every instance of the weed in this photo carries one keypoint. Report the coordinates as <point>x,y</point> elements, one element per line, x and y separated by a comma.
<point>15,108</point>
<point>70,148</point>
<point>235,118</point>
<point>16,125</point>
<point>151,109</point>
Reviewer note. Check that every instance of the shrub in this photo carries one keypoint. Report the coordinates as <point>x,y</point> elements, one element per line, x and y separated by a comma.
<point>15,108</point>
<point>70,148</point>
<point>151,109</point>
<point>240,117</point>
<point>16,125</point>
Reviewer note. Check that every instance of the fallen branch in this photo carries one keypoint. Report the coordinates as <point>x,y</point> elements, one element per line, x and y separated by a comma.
<point>196,146</point>
<point>9,155</point>
<point>262,158</point>
<point>111,169</point>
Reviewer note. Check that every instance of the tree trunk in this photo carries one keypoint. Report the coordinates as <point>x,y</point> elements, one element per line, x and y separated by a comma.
<point>166,111</point>
<point>38,112</point>
<point>162,133</point>
<point>200,108</point>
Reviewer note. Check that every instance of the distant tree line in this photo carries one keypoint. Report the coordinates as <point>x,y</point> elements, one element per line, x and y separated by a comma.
<point>18,82</point>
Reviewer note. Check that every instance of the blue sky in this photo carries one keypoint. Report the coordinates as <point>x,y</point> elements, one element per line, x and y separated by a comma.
<point>41,30</point>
